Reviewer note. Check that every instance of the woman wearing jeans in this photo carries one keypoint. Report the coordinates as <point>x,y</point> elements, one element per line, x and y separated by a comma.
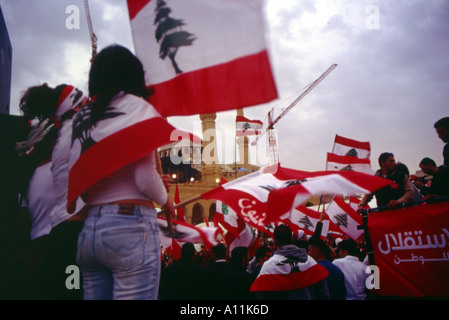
<point>119,246</point>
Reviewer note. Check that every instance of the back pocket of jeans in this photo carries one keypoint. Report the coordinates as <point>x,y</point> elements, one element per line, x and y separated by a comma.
<point>124,248</point>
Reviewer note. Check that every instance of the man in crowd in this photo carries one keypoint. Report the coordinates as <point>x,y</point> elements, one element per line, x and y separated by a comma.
<point>322,253</point>
<point>399,192</point>
<point>353,269</point>
<point>440,178</point>
<point>442,129</point>
<point>290,274</point>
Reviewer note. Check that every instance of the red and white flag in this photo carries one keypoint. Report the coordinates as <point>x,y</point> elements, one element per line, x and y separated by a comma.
<point>227,218</point>
<point>202,56</point>
<point>354,203</point>
<point>277,275</point>
<point>349,163</point>
<point>344,217</point>
<point>305,219</point>
<point>185,232</point>
<point>246,127</point>
<point>247,237</point>
<point>179,211</point>
<point>350,147</point>
<point>129,129</point>
<point>264,196</point>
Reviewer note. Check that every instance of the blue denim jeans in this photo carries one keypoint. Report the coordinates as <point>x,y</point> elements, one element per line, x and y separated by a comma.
<point>119,255</point>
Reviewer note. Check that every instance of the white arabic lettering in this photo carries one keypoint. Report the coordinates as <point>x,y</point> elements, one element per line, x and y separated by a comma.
<point>409,242</point>
<point>251,215</point>
<point>415,258</point>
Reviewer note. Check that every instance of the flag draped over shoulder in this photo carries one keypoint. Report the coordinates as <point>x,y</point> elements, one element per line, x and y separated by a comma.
<point>277,275</point>
<point>202,56</point>
<point>264,196</point>
<point>129,129</point>
<point>247,127</point>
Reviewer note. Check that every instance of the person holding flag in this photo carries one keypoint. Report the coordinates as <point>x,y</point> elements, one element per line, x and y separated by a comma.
<point>113,143</point>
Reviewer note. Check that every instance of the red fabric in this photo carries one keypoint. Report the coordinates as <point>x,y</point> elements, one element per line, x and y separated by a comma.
<point>179,211</point>
<point>242,82</point>
<point>410,266</point>
<point>292,281</point>
<point>120,148</point>
<point>352,143</point>
<point>65,92</point>
<point>134,6</point>
<point>243,119</point>
<point>331,157</point>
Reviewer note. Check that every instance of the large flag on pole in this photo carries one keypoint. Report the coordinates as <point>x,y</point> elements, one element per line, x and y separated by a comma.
<point>349,147</point>
<point>305,219</point>
<point>348,163</point>
<point>202,56</point>
<point>247,127</point>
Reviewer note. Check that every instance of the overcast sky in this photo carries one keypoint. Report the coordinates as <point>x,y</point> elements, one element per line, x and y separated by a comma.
<point>390,86</point>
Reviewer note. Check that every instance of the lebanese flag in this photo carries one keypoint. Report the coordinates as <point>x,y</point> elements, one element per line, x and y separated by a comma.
<point>246,127</point>
<point>202,56</point>
<point>227,217</point>
<point>185,232</point>
<point>277,275</point>
<point>348,163</point>
<point>305,219</point>
<point>247,237</point>
<point>130,129</point>
<point>264,196</point>
<point>349,147</point>
<point>344,217</point>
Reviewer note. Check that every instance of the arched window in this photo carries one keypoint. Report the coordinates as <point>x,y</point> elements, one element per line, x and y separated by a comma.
<point>197,214</point>
<point>212,210</point>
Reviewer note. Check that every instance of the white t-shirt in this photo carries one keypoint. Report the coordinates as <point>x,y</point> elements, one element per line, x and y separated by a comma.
<point>41,199</point>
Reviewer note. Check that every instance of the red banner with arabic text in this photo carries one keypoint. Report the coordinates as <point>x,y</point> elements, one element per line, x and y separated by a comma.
<point>411,250</point>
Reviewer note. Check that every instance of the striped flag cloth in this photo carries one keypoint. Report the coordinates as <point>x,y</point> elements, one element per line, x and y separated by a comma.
<point>202,56</point>
<point>185,232</point>
<point>246,127</point>
<point>277,274</point>
<point>346,218</point>
<point>264,196</point>
<point>349,147</point>
<point>348,163</point>
<point>305,219</point>
<point>129,129</point>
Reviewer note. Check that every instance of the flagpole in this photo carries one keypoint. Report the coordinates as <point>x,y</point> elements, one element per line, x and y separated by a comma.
<point>183,204</point>
<point>368,243</point>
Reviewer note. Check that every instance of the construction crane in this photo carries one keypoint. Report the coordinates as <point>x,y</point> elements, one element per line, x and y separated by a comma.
<point>272,139</point>
<point>93,37</point>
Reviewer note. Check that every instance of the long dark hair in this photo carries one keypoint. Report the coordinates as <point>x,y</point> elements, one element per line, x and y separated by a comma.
<point>40,101</point>
<point>113,70</point>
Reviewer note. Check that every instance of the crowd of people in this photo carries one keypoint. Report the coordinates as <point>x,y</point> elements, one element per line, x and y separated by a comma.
<point>112,237</point>
<point>308,268</point>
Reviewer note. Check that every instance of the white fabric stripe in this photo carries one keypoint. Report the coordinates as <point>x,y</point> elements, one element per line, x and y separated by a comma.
<point>223,31</point>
